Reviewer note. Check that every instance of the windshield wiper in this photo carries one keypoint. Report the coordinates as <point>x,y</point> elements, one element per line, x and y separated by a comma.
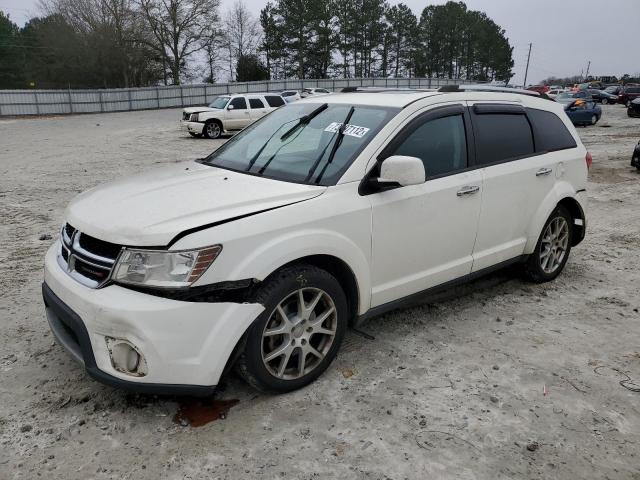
<point>336,145</point>
<point>304,120</point>
<point>261,149</point>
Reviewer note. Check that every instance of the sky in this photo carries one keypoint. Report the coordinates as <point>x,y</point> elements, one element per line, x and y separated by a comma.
<point>566,34</point>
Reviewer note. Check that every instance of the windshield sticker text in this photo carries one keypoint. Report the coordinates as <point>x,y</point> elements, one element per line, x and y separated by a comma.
<point>351,130</point>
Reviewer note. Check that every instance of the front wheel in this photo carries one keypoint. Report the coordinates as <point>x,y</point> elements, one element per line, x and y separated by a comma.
<point>212,130</point>
<point>299,332</point>
<point>594,119</point>
<point>605,101</point>
<point>553,247</point>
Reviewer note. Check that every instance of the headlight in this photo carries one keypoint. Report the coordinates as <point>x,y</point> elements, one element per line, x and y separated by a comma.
<point>161,268</point>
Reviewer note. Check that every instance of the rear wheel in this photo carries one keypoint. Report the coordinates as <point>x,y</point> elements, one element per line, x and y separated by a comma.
<point>594,119</point>
<point>299,332</point>
<point>212,129</point>
<point>553,247</point>
<point>605,101</point>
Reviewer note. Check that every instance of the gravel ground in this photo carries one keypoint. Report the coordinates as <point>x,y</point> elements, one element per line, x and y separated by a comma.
<point>451,389</point>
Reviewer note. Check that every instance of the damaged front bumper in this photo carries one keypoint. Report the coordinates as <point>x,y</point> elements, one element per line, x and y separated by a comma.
<point>185,345</point>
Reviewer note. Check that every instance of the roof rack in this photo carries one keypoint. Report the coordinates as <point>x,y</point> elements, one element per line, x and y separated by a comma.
<point>385,89</point>
<point>488,88</point>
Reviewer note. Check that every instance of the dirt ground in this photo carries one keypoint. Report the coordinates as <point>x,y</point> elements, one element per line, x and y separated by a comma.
<point>501,379</point>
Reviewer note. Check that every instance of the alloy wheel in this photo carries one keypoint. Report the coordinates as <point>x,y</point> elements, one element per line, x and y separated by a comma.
<point>213,130</point>
<point>299,333</point>
<point>553,247</point>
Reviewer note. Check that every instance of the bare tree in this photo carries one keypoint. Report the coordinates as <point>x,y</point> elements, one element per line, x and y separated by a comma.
<point>178,28</point>
<point>241,35</point>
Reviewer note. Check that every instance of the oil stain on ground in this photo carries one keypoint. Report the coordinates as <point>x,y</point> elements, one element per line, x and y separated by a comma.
<point>197,412</point>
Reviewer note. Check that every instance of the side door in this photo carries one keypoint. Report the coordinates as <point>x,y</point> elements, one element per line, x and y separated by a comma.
<point>423,235</point>
<point>516,179</point>
<point>258,108</point>
<point>237,115</point>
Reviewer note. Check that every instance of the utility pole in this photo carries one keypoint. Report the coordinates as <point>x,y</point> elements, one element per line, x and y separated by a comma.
<point>526,72</point>
<point>588,67</point>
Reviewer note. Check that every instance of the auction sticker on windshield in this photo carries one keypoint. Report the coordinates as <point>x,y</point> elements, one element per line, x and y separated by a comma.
<point>351,130</point>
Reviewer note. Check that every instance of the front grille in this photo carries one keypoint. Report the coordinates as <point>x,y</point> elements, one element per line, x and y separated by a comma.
<point>87,259</point>
<point>193,117</point>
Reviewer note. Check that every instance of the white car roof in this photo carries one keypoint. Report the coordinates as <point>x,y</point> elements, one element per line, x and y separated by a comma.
<point>403,97</point>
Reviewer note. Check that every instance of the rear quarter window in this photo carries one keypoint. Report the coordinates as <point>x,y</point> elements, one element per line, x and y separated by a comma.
<point>550,133</point>
<point>274,100</point>
<point>502,137</point>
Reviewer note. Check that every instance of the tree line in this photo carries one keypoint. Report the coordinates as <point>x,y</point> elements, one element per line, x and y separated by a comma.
<point>131,43</point>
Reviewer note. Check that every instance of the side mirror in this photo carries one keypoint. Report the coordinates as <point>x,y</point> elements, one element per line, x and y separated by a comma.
<point>402,170</point>
<point>230,107</point>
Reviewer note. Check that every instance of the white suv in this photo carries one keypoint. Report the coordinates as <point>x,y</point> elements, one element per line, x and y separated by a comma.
<point>314,218</point>
<point>228,113</point>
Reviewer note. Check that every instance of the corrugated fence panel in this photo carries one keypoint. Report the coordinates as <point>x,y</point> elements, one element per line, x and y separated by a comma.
<point>47,102</point>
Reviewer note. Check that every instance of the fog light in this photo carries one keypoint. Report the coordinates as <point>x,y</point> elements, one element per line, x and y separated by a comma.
<point>125,357</point>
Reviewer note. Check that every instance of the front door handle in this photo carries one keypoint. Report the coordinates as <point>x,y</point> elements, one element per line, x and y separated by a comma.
<point>468,190</point>
<point>543,171</point>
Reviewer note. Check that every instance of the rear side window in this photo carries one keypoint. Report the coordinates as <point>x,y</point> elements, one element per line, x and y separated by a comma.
<point>274,100</point>
<point>501,137</point>
<point>441,145</point>
<point>633,90</point>
<point>549,131</point>
<point>239,103</point>
<point>256,103</point>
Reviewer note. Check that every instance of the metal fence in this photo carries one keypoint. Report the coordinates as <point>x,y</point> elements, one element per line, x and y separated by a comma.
<point>54,102</point>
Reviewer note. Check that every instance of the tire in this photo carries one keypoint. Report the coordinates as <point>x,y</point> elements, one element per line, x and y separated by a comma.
<point>212,129</point>
<point>272,362</point>
<point>543,264</point>
<point>594,119</point>
<point>197,135</point>
<point>605,101</point>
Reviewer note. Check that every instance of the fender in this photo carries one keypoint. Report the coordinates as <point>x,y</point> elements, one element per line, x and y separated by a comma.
<point>560,191</point>
<point>292,246</point>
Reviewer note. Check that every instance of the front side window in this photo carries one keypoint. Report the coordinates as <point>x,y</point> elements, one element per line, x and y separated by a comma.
<point>501,137</point>
<point>441,145</point>
<point>239,103</point>
<point>283,146</point>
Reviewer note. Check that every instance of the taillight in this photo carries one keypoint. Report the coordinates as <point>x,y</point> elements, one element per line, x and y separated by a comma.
<point>589,159</point>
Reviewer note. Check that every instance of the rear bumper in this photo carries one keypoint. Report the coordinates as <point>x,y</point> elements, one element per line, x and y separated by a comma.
<point>186,345</point>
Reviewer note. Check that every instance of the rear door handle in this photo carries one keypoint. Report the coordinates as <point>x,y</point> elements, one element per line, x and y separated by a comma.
<point>468,190</point>
<point>543,171</point>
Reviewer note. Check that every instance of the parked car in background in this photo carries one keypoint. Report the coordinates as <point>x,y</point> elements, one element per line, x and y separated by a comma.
<point>583,112</point>
<point>628,93</point>
<point>539,88</point>
<point>291,95</point>
<point>600,96</point>
<point>613,89</point>
<point>314,92</point>
<point>571,96</point>
<point>554,92</point>
<point>228,114</point>
<point>633,110</point>
<point>635,158</point>
<point>329,211</point>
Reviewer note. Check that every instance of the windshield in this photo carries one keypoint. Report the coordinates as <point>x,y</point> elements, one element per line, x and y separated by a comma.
<point>219,102</point>
<point>283,147</point>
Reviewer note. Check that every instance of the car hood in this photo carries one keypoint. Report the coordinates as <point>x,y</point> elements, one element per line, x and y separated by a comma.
<point>152,208</point>
<point>200,109</point>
